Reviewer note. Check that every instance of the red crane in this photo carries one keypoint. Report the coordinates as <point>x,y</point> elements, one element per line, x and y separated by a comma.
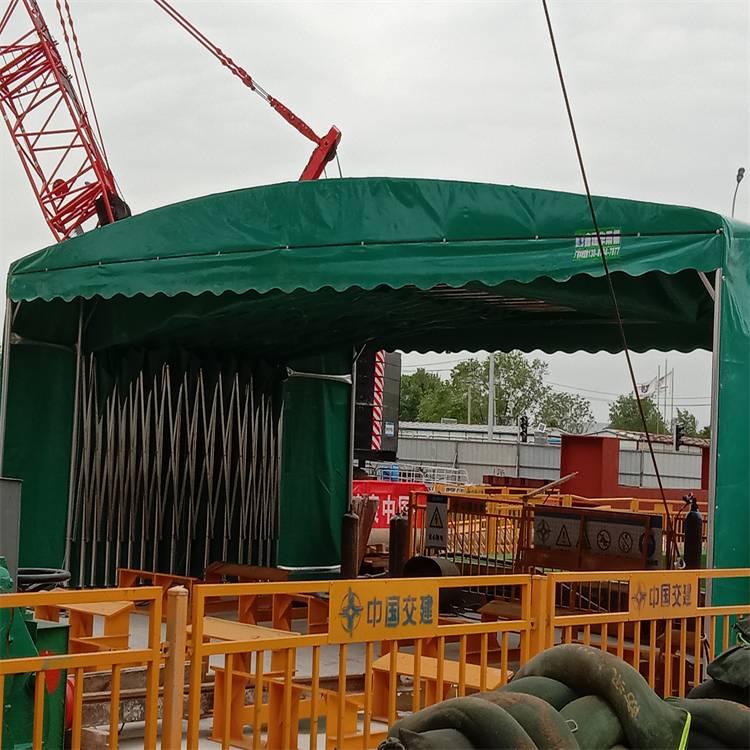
<point>50,127</point>
<point>43,108</point>
<point>326,145</point>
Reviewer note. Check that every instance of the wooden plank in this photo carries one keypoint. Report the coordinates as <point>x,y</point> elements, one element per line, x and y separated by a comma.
<point>229,630</point>
<point>101,609</point>
<point>405,664</point>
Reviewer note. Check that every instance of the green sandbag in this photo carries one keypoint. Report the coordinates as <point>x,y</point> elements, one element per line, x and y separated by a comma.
<point>556,693</point>
<point>700,741</point>
<point>728,722</point>
<point>589,670</point>
<point>437,739</point>
<point>711,688</point>
<point>594,724</point>
<point>485,726</point>
<point>542,723</point>
<point>732,667</point>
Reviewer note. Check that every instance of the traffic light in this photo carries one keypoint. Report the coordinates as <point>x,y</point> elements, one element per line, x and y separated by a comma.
<point>524,425</point>
<point>679,434</point>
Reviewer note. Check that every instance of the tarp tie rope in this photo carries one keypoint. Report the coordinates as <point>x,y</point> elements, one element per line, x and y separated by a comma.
<point>670,530</point>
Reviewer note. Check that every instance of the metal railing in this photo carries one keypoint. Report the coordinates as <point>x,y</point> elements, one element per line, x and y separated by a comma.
<point>359,674</point>
<point>658,621</point>
<point>89,652</point>
<point>407,472</point>
<point>336,662</point>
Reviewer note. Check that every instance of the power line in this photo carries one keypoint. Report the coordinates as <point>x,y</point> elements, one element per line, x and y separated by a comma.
<point>684,401</point>
<point>671,542</point>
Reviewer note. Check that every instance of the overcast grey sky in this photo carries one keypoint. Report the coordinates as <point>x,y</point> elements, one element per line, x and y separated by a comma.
<point>660,92</point>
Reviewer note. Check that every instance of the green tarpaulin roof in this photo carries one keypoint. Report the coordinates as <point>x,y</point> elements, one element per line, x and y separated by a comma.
<point>412,264</point>
<point>301,268</point>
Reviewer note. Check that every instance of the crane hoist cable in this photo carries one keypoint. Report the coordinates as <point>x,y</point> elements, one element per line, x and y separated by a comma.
<point>671,542</point>
<point>327,145</point>
<point>91,107</point>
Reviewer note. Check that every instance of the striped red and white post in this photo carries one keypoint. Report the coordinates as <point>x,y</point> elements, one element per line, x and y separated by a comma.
<point>377,400</point>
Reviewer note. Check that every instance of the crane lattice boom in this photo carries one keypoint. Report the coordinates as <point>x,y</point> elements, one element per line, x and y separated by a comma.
<point>50,127</point>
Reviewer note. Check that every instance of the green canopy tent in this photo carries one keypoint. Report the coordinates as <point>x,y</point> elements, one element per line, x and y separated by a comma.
<point>302,274</point>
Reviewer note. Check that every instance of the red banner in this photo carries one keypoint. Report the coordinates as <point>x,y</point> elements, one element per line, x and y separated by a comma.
<point>393,497</point>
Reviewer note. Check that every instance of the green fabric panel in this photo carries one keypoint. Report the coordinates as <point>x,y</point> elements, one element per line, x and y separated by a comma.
<point>37,448</point>
<point>365,233</point>
<point>314,463</point>
<point>732,506</point>
<point>660,312</point>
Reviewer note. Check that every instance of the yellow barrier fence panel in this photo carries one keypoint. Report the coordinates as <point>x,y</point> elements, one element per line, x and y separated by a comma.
<point>388,647</point>
<point>89,651</point>
<point>658,621</point>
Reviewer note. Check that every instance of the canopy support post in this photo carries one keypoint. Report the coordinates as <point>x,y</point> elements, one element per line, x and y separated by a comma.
<point>706,283</point>
<point>74,442</point>
<point>5,375</point>
<point>356,354</point>
<point>714,423</point>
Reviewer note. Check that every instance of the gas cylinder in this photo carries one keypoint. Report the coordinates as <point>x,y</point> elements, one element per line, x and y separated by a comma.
<point>693,535</point>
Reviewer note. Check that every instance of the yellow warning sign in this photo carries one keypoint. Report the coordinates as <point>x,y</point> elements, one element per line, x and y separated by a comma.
<point>436,522</point>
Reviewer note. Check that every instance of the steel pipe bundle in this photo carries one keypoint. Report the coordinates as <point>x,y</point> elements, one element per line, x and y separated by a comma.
<point>176,464</point>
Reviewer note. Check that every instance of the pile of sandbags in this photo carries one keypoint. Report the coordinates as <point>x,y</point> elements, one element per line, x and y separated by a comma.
<point>575,698</point>
<point>728,677</point>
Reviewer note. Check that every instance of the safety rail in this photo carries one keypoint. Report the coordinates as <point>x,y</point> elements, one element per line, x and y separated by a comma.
<point>489,534</point>
<point>110,652</point>
<point>658,621</point>
<point>379,630</point>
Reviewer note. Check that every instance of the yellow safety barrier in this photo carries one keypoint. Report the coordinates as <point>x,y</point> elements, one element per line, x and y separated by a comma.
<point>335,662</point>
<point>658,621</point>
<point>380,632</point>
<point>111,651</point>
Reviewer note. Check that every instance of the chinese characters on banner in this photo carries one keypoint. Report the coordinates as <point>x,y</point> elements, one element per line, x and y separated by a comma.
<point>663,594</point>
<point>393,497</point>
<point>381,609</point>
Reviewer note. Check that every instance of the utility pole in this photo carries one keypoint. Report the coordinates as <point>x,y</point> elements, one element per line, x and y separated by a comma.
<point>491,398</point>
<point>468,398</point>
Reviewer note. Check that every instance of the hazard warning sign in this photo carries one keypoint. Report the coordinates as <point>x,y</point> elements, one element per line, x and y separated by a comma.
<point>563,538</point>
<point>556,530</point>
<point>437,522</point>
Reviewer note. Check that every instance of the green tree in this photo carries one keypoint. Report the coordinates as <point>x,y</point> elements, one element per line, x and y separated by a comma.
<point>688,421</point>
<point>566,411</point>
<point>624,415</point>
<point>519,389</point>
<point>520,386</point>
<point>414,388</point>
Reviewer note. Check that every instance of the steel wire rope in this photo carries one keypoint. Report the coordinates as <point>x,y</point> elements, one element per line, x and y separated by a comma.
<point>73,67</point>
<point>671,542</point>
<point>91,104</point>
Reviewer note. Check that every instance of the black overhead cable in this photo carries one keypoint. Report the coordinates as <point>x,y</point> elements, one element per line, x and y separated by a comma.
<point>615,305</point>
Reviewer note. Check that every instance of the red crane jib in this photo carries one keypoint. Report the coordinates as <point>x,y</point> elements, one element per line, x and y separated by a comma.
<point>325,151</point>
<point>49,127</point>
<point>327,145</point>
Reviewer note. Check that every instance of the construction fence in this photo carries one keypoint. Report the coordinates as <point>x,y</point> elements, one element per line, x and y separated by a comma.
<point>331,664</point>
<point>505,529</point>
